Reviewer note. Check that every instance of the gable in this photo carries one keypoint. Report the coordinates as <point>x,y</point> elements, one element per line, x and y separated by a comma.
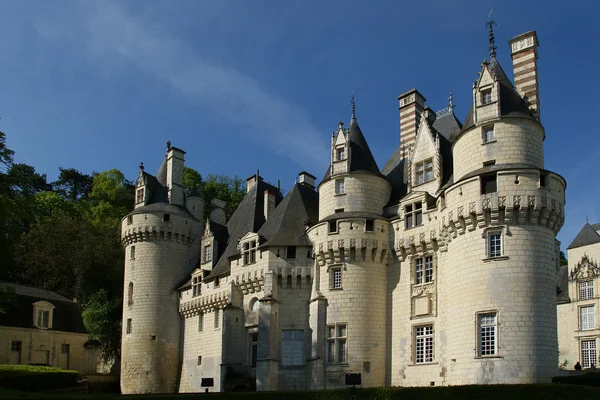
<point>585,270</point>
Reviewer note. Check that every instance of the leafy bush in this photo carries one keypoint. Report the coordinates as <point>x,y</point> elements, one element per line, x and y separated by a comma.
<point>35,378</point>
<point>589,379</point>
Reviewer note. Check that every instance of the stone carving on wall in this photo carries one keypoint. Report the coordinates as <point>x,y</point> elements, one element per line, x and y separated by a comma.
<point>585,270</point>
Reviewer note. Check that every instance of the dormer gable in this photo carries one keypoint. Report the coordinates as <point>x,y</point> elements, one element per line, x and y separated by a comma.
<point>425,162</point>
<point>248,247</point>
<point>340,151</point>
<point>486,94</point>
<point>207,247</point>
<point>142,190</point>
<point>585,270</point>
<point>43,314</point>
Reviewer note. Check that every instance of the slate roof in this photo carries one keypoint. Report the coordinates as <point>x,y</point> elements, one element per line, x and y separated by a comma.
<point>587,235</point>
<point>287,225</point>
<point>248,217</point>
<point>511,103</point>
<point>361,158</point>
<point>395,173</point>
<point>562,287</point>
<point>66,315</point>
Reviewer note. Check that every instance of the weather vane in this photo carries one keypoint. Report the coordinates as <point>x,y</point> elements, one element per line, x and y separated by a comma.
<point>490,25</point>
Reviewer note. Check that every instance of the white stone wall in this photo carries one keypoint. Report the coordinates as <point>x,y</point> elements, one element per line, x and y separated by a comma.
<point>151,353</point>
<point>517,140</point>
<point>363,193</point>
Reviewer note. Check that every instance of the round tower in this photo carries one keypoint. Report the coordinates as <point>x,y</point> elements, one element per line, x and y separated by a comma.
<point>499,220</point>
<point>350,247</point>
<point>161,239</point>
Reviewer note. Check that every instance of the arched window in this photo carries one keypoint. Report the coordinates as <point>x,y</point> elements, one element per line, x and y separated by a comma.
<point>130,294</point>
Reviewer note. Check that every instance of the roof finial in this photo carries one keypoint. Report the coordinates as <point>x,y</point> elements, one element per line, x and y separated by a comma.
<point>353,104</point>
<point>586,219</point>
<point>450,102</point>
<point>141,166</point>
<point>490,25</point>
<point>168,145</point>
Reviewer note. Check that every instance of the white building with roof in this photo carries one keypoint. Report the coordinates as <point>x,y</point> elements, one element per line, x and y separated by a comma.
<point>439,269</point>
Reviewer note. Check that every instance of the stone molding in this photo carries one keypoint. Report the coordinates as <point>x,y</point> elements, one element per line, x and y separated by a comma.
<point>157,232</point>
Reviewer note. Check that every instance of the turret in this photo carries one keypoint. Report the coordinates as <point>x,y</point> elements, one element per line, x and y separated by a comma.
<point>161,240</point>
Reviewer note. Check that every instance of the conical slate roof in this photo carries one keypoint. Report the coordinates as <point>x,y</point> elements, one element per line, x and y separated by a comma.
<point>587,235</point>
<point>361,158</point>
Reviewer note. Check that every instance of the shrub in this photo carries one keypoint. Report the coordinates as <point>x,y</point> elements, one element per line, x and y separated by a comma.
<point>35,378</point>
<point>588,379</point>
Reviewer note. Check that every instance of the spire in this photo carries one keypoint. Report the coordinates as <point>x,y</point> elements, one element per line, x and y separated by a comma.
<point>450,102</point>
<point>353,104</point>
<point>490,25</point>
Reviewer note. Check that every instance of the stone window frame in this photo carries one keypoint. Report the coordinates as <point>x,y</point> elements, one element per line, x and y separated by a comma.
<point>218,319</point>
<point>336,341</point>
<point>130,294</point>
<point>587,291</point>
<point>488,134</point>
<point>587,322</point>
<point>289,348</point>
<point>248,251</point>
<point>502,230</point>
<point>129,326</point>
<point>336,272</point>
<point>420,342</point>
<point>292,256</point>
<point>426,166</point>
<point>132,253</point>
<point>416,210</point>
<point>41,309</point>
<point>199,361</point>
<point>495,334</point>
<point>369,225</point>
<point>139,195</point>
<point>201,322</point>
<point>485,96</point>
<point>592,353</point>
<point>425,268</point>
<point>340,153</point>
<point>16,346</point>
<point>340,187</point>
<point>207,253</point>
<point>129,219</point>
<point>65,348</point>
<point>196,285</point>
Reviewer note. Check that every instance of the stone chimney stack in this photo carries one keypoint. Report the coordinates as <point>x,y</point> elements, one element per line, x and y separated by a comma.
<point>523,50</point>
<point>411,105</point>
<point>268,204</point>
<point>175,162</point>
<point>251,181</point>
<point>306,179</point>
<point>217,211</point>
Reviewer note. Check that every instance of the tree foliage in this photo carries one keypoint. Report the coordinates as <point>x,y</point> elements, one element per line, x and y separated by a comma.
<point>102,319</point>
<point>222,187</point>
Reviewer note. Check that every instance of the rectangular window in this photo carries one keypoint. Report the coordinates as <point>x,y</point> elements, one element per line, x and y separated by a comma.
<point>196,286</point>
<point>494,244</point>
<point>336,343</point>
<point>340,154</point>
<point>249,252</point>
<point>207,253</point>
<point>339,186</point>
<point>199,362</point>
<point>336,278</point>
<point>487,133</point>
<point>132,253</point>
<point>217,282</point>
<point>424,344</point>
<point>428,269</point>
<point>486,96</point>
<point>487,325</point>
<point>424,171</point>
<point>418,271</point>
<point>586,290</point>
<point>200,322</point>
<point>292,347</point>
<point>588,353</point>
<point>139,197</point>
<point>369,225</point>
<point>488,183</point>
<point>43,319</point>
<point>586,318</point>
<point>166,217</point>
<point>290,252</point>
<point>129,328</point>
<point>489,163</point>
<point>16,345</point>
<point>65,348</point>
<point>332,226</point>
<point>413,215</point>
<point>129,219</point>
<point>217,318</point>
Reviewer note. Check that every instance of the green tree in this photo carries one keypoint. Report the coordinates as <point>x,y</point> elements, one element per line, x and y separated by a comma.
<point>111,196</point>
<point>72,184</point>
<point>102,319</point>
<point>191,179</point>
<point>563,259</point>
<point>230,190</point>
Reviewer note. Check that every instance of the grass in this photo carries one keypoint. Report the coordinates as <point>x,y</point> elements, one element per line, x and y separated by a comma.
<point>489,392</point>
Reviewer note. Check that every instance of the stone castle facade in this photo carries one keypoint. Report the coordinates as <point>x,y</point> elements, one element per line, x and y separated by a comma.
<point>439,269</point>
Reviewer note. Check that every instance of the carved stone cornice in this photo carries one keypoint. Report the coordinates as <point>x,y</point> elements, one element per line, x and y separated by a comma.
<point>155,233</point>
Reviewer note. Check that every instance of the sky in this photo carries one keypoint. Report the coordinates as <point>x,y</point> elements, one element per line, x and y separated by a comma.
<point>246,85</point>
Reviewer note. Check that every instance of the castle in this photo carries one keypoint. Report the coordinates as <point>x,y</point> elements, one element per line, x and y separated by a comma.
<point>439,269</point>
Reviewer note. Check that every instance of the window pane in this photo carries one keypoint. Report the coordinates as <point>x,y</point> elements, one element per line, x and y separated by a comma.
<point>409,223</point>
<point>487,334</point>
<point>418,218</point>
<point>341,356</point>
<point>419,271</point>
<point>586,317</point>
<point>428,269</point>
<point>494,245</point>
<point>588,353</point>
<point>330,331</point>
<point>341,331</point>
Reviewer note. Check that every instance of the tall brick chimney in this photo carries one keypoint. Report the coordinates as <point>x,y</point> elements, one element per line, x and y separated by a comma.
<point>523,50</point>
<point>175,162</point>
<point>411,105</point>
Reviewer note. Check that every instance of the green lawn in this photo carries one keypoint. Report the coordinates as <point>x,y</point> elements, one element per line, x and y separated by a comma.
<point>491,392</point>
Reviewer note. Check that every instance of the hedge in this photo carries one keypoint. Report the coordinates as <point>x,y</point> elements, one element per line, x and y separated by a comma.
<point>589,379</point>
<point>36,378</point>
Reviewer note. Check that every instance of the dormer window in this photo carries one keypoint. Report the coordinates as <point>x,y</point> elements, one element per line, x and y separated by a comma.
<point>486,96</point>
<point>207,255</point>
<point>340,154</point>
<point>196,286</point>
<point>43,314</point>
<point>424,171</point>
<point>139,196</point>
<point>339,186</point>
<point>249,252</point>
<point>290,252</point>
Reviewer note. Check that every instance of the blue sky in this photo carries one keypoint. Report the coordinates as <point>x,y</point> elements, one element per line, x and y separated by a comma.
<point>247,85</point>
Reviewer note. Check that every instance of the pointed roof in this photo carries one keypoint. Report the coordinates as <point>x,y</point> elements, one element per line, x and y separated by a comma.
<point>287,225</point>
<point>586,236</point>
<point>511,102</point>
<point>161,174</point>
<point>248,217</point>
<point>361,158</point>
